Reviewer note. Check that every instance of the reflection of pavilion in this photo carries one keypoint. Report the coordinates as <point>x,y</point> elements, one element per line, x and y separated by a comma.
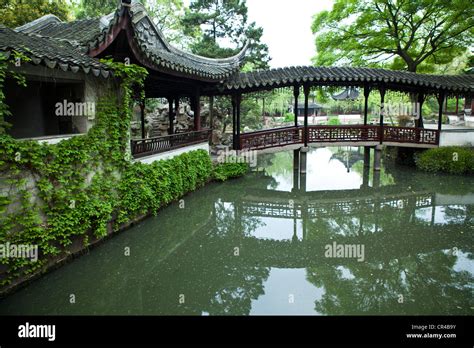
<point>404,254</point>
<point>384,219</point>
<point>348,158</point>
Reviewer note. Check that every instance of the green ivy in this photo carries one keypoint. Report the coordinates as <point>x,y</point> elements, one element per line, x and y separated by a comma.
<point>228,170</point>
<point>51,195</point>
<point>54,193</point>
<point>7,70</point>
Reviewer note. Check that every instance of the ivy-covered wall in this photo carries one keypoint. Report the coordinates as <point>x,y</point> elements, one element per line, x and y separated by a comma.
<point>86,186</point>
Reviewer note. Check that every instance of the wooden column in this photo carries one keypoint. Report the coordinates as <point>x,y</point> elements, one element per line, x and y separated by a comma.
<point>170,116</point>
<point>239,99</point>
<point>211,112</point>
<point>382,111</point>
<point>234,123</point>
<point>457,105</point>
<point>197,111</point>
<point>142,118</point>
<point>440,112</point>
<point>421,99</point>
<point>365,173</point>
<point>176,107</point>
<point>296,93</point>
<point>306,90</point>
<point>366,103</point>
<point>296,170</point>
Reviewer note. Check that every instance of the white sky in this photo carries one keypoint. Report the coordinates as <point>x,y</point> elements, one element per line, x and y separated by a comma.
<point>287,28</point>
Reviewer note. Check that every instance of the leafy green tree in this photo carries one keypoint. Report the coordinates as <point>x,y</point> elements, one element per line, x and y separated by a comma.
<point>400,34</point>
<point>166,14</point>
<point>14,13</point>
<point>221,28</point>
<point>93,8</point>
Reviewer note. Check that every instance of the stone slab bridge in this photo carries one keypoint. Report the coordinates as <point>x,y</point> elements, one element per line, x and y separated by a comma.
<point>305,78</point>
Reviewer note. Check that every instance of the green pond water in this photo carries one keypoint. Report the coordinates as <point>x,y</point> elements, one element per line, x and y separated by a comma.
<point>261,245</point>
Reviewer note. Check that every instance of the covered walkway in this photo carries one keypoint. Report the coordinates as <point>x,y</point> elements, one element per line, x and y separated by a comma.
<point>305,78</point>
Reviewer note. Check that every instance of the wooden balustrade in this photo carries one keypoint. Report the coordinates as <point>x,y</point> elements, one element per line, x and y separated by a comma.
<point>330,134</point>
<point>272,138</point>
<point>338,135</point>
<point>149,146</point>
<point>411,135</point>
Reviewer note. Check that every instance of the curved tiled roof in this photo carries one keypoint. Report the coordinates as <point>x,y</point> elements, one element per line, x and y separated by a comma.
<point>70,45</point>
<point>284,77</point>
<point>51,53</point>
<point>90,34</point>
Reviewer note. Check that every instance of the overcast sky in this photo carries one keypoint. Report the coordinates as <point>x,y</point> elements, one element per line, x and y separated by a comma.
<point>287,28</point>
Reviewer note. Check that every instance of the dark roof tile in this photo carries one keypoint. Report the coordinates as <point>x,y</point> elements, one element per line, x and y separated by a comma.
<point>283,77</point>
<point>51,52</point>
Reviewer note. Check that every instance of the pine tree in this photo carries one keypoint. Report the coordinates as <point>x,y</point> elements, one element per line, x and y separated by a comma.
<point>221,29</point>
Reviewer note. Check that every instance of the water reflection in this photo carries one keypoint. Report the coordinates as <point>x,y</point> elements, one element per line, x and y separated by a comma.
<point>257,246</point>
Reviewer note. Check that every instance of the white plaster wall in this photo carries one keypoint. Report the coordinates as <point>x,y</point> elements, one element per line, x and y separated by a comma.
<point>54,139</point>
<point>457,138</point>
<point>173,153</point>
<point>454,199</point>
<point>94,87</point>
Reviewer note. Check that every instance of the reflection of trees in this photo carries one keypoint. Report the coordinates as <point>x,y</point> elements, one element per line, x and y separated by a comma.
<point>191,252</point>
<point>281,164</point>
<point>235,297</point>
<point>425,277</point>
<point>228,222</point>
<point>385,177</point>
<point>212,278</point>
<point>427,282</point>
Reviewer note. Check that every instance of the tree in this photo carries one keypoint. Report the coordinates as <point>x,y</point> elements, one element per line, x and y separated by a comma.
<point>14,13</point>
<point>222,28</point>
<point>400,34</point>
<point>166,15</point>
<point>93,8</point>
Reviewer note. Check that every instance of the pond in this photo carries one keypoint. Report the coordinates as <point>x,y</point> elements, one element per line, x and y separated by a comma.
<point>335,241</point>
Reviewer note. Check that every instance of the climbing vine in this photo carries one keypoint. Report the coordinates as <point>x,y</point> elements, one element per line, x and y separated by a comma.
<point>52,193</point>
<point>85,187</point>
<point>6,71</point>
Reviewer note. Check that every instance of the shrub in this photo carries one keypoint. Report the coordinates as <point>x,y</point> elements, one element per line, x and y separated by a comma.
<point>146,188</point>
<point>289,117</point>
<point>334,121</point>
<point>452,160</point>
<point>225,171</point>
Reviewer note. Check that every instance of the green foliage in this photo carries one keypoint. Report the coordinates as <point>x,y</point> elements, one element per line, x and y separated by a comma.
<point>93,8</point>
<point>5,72</point>
<point>412,35</point>
<point>166,14</point>
<point>14,13</point>
<point>452,160</point>
<point>289,117</point>
<point>146,188</point>
<point>213,20</point>
<point>72,190</point>
<point>228,170</point>
<point>333,121</point>
<point>74,181</point>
